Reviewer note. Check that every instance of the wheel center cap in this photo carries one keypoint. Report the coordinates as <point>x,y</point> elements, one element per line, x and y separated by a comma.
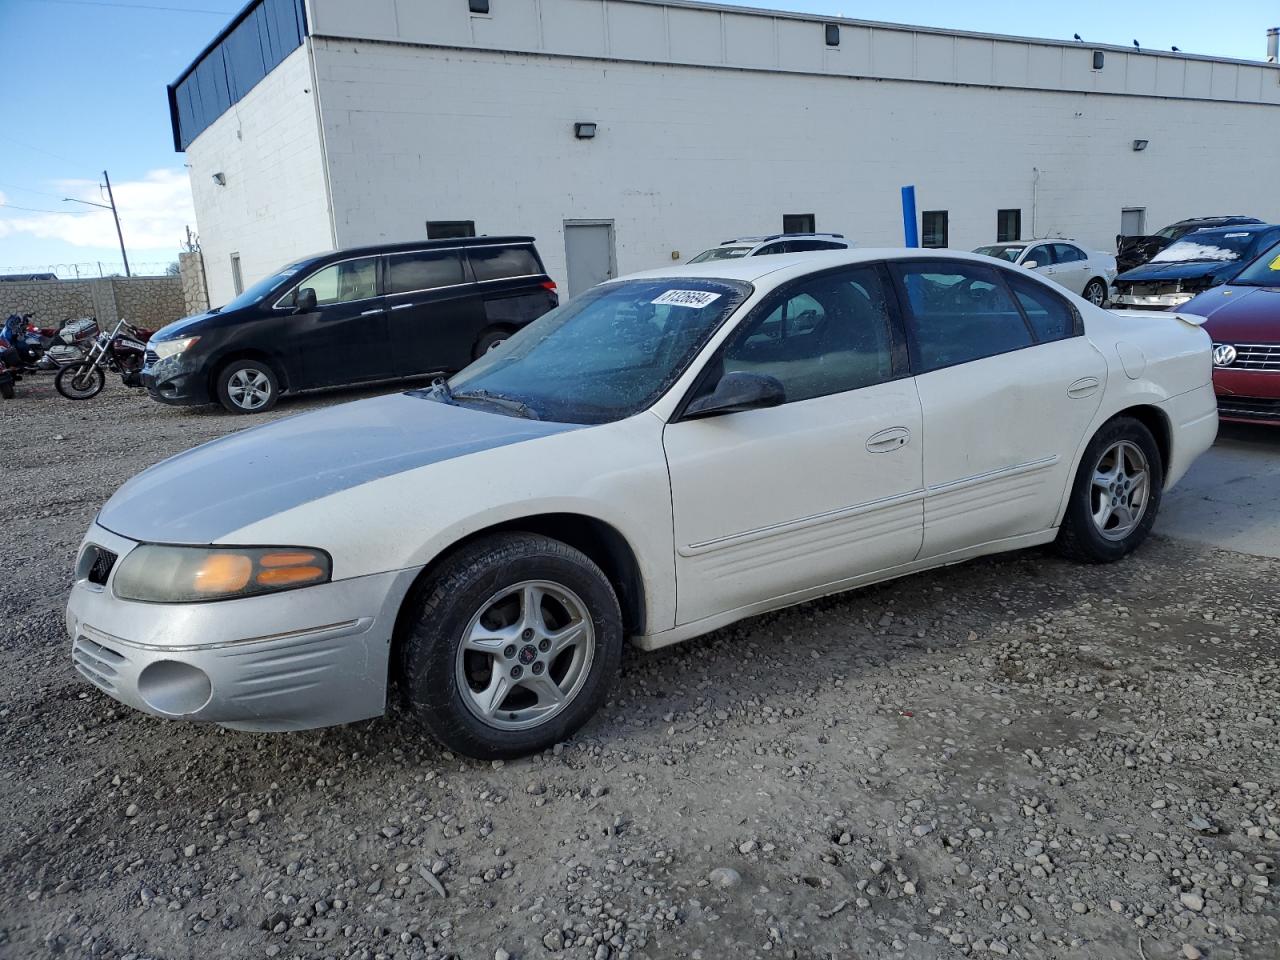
<point>528,654</point>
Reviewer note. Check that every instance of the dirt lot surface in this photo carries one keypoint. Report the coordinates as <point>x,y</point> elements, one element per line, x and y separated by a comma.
<point>1015,757</point>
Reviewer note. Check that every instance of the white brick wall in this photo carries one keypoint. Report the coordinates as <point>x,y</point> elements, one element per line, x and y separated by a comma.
<point>274,206</point>
<point>688,156</point>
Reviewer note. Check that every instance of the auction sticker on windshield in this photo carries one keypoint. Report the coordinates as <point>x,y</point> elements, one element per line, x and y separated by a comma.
<point>697,299</point>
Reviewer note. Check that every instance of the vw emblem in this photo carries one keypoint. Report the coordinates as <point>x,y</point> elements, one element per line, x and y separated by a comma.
<point>1224,355</point>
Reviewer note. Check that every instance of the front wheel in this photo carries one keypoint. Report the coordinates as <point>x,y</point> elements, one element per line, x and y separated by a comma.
<point>1116,494</point>
<point>80,381</point>
<point>248,386</point>
<point>1095,292</point>
<point>512,645</point>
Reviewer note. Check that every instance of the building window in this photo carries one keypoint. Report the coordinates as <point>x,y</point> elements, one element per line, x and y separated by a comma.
<point>478,6</point>
<point>933,228</point>
<point>1008,225</point>
<point>237,279</point>
<point>833,34</point>
<point>450,229</point>
<point>799,223</point>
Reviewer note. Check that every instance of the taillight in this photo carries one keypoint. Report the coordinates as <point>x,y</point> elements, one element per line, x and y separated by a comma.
<point>549,285</point>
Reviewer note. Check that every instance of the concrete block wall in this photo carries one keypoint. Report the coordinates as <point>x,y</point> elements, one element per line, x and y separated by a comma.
<point>273,207</point>
<point>150,302</point>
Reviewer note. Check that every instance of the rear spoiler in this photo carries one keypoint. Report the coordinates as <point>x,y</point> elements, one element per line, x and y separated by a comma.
<point>1190,319</point>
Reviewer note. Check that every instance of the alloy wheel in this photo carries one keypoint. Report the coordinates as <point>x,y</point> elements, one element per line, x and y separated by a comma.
<point>1121,490</point>
<point>1096,294</point>
<point>525,655</point>
<point>249,389</point>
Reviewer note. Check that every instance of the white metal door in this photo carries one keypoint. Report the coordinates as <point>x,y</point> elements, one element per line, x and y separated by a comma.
<point>589,253</point>
<point>1133,222</point>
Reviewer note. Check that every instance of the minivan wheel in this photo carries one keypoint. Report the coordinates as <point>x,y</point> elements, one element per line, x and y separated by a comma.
<point>248,386</point>
<point>490,339</point>
<point>1096,292</point>
<point>511,646</point>
<point>1116,494</point>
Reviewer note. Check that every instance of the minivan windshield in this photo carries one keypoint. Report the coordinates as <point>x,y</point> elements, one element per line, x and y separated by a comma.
<point>253,294</point>
<point>603,356</point>
<point>1263,272</point>
<point>1002,252</point>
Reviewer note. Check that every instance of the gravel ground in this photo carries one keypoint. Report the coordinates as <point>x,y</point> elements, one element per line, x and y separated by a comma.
<point>1013,757</point>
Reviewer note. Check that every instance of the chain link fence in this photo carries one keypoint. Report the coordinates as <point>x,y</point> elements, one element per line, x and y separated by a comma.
<point>93,269</point>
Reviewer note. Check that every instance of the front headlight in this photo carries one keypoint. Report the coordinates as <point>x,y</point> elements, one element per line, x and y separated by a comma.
<point>171,348</point>
<point>160,574</point>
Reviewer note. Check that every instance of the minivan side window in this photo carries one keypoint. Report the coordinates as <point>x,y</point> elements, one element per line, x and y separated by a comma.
<point>499,263</point>
<point>344,282</point>
<point>423,270</point>
<point>958,312</point>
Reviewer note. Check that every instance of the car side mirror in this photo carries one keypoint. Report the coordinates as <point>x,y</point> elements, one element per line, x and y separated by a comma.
<point>1030,264</point>
<point>738,391</point>
<point>304,301</point>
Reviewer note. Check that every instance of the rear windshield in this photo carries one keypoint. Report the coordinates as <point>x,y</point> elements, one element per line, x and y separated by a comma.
<point>1207,247</point>
<point>721,253</point>
<point>1001,253</point>
<point>1263,272</point>
<point>499,263</point>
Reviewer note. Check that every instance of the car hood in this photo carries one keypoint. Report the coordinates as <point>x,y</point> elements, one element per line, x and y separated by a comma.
<point>179,328</point>
<point>211,491</point>
<point>1191,270</point>
<point>1239,314</point>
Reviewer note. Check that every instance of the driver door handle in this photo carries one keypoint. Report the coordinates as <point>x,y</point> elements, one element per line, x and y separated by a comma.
<point>370,313</point>
<point>886,441</point>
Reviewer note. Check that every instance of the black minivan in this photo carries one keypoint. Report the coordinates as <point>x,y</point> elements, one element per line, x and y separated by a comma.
<point>352,316</point>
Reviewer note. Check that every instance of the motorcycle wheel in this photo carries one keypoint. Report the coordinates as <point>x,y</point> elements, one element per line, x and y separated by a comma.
<point>80,381</point>
<point>6,389</point>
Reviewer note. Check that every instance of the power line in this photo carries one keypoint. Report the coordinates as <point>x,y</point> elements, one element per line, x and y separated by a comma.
<point>138,6</point>
<point>14,206</point>
<point>14,186</point>
<point>31,146</point>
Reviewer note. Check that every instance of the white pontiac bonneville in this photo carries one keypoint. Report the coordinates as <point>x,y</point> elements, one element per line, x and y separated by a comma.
<point>661,456</point>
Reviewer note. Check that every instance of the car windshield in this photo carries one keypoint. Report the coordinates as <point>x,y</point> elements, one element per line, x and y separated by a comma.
<point>721,253</point>
<point>1010,254</point>
<point>1171,232</point>
<point>1199,248</point>
<point>604,355</point>
<point>1263,272</point>
<point>264,286</point>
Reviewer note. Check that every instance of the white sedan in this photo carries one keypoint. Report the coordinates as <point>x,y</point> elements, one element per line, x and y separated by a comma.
<point>664,455</point>
<point>1065,262</point>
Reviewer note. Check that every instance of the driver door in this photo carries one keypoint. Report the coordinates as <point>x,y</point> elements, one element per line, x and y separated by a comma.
<point>344,339</point>
<point>825,487</point>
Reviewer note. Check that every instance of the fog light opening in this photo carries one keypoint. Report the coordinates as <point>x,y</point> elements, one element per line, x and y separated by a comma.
<point>173,688</point>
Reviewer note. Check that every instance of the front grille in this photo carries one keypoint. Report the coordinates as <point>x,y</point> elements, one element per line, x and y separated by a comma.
<point>150,357</point>
<point>98,664</point>
<point>1257,356</point>
<point>1250,408</point>
<point>1153,289</point>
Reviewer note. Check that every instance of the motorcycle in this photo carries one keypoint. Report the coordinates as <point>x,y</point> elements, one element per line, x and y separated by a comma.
<point>122,351</point>
<point>70,343</point>
<point>7,374</point>
<point>24,338</point>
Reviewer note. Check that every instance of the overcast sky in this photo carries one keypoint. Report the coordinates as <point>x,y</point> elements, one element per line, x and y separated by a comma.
<point>83,89</point>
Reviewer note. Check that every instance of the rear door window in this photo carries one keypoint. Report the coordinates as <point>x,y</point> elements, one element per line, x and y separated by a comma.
<point>423,270</point>
<point>501,263</point>
<point>959,312</point>
<point>1051,317</point>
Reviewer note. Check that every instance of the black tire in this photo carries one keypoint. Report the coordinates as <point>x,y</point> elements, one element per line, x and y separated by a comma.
<point>6,389</point>
<point>1080,537</point>
<point>80,381</point>
<point>490,339</point>
<point>247,386</point>
<point>444,605</point>
<point>1095,291</point>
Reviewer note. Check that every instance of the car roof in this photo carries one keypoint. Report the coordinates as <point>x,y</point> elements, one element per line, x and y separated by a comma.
<point>781,236</point>
<point>1224,219</point>
<point>1235,228</point>
<point>788,265</point>
<point>406,246</point>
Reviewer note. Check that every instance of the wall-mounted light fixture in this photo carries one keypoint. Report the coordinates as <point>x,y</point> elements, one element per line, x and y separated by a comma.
<point>220,179</point>
<point>585,130</point>
<point>1139,145</point>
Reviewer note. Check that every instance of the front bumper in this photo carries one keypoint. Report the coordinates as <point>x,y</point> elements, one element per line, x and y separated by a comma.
<point>1247,396</point>
<point>1154,301</point>
<point>172,381</point>
<point>304,658</point>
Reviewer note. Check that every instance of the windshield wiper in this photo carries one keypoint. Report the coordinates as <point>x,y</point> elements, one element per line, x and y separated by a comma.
<point>518,407</point>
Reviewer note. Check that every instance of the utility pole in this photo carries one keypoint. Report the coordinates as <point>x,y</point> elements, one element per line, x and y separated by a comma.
<point>112,207</point>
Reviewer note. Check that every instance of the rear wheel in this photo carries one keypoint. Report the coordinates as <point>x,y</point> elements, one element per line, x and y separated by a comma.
<point>490,339</point>
<point>1116,494</point>
<point>513,643</point>
<point>80,381</point>
<point>6,388</point>
<point>1095,292</point>
<point>248,386</point>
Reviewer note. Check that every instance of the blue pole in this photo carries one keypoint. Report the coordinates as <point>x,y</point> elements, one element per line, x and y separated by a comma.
<point>910,234</point>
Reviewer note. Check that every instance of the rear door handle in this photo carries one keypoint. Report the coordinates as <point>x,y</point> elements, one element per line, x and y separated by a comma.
<point>886,441</point>
<point>1084,387</point>
<point>403,306</point>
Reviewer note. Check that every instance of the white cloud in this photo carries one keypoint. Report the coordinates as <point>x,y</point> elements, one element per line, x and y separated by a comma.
<point>154,213</point>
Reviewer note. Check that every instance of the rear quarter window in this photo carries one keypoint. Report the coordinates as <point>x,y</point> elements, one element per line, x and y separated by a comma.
<point>499,263</point>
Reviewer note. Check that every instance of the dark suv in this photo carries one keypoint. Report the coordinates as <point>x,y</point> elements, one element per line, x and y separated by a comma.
<point>1136,250</point>
<point>352,316</point>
